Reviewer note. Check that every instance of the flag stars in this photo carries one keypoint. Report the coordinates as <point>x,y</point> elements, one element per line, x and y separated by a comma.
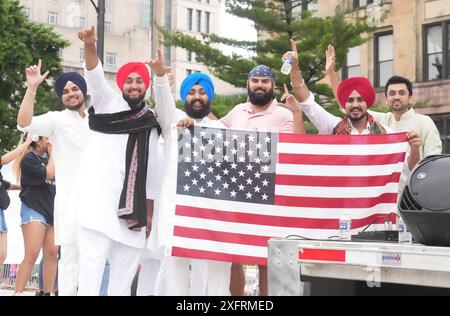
<point>187,173</point>
<point>241,173</point>
<point>195,140</point>
<point>249,195</point>
<point>226,143</point>
<point>217,192</point>
<point>233,193</point>
<point>257,189</point>
<point>257,175</point>
<point>265,168</point>
<point>241,159</point>
<point>194,182</point>
<point>187,188</point>
<point>226,185</point>
<point>203,176</point>
<point>258,161</point>
<point>233,166</point>
<point>226,172</point>
<point>267,139</point>
<point>250,152</point>
<point>235,137</point>
<point>218,177</point>
<point>249,167</point>
<point>265,183</point>
<point>264,197</point>
<point>242,144</point>
<point>241,187</point>
<point>251,138</point>
<point>202,190</point>
<point>210,169</point>
<point>203,134</point>
<point>259,146</point>
<point>233,180</point>
<point>249,181</point>
<point>266,154</point>
<point>187,159</point>
<point>195,168</point>
<point>218,164</point>
<point>210,184</point>
<point>187,132</point>
<point>202,147</point>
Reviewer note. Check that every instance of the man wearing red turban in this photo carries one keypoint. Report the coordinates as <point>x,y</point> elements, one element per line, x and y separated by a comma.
<point>119,179</point>
<point>355,95</point>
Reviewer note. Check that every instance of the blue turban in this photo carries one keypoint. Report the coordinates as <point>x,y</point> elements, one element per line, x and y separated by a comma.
<point>197,79</point>
<point>74,77</point>
<point>262,71</point>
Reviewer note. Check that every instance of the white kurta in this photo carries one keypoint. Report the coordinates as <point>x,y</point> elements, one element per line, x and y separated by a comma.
<point>168,115</point>
<point>68,132</point>
<point>102,174</point>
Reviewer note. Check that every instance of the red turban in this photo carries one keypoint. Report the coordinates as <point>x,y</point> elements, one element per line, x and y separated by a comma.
<point>126,70</point>
<point>361,85</point>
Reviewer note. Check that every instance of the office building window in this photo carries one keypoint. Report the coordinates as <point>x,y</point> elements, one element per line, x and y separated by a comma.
<point>363,3</point>
<point>79,3</point>
<point>189,19</point>
<point>146,12</point>
<point>189,56</point>
<point>207,22</point>
<point>82,55</point>
<point>27,11</point>
<point>53,18</point>
<point>108,28</point>
<point>79,22</point>
<point>111,59</point>
<point>437,51</point>
<point>353,65</point>
<point>108,5</point>
<point>199,21</point>
<point>384,58</point>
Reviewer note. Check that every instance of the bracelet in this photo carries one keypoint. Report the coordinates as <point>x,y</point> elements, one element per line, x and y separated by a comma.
<point>300,85</point>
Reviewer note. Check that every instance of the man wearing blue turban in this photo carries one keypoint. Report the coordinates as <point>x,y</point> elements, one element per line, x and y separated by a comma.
<point>201,85</point>
<point>197,92</point>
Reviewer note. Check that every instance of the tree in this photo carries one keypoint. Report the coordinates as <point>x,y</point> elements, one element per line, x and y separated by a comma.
<point>22,43</point>
<point>276,22</point>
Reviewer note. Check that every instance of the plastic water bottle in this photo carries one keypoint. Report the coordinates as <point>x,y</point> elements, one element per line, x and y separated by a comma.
<point>404,236</point>
<point>287,66</point>
<point>345,226</point>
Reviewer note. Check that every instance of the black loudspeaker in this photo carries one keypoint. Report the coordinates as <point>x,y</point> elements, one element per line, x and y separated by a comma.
<point>425,202</point>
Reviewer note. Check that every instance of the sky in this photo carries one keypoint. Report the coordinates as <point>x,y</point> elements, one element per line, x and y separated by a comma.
<point>236,28</point>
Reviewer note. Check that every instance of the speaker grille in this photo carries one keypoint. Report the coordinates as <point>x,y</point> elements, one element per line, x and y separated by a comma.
<point>408,202</point>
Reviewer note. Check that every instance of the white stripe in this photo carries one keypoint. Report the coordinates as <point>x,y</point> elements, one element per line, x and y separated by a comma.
<point>335,192</point>
<point>256,230</point>
<point>276,210</point>
<point>338,171</point>
<point>342,149</point>
<point>234,249</point>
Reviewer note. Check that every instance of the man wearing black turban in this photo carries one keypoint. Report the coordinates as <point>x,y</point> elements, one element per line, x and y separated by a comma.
<point>68,132</point>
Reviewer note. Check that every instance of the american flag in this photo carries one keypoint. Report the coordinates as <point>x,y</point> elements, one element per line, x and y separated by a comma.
<point>238,189</point>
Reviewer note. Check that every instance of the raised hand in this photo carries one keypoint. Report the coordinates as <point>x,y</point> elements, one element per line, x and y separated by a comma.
<point>185,123</point>
<point>331,59</point>
<point>88,36</point>
<point>34,77</point>
<point>291,102</point>
<point>157,65</point>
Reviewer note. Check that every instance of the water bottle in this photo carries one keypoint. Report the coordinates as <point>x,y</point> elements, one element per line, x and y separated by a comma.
<point>287,66</point>
<point>345,226</point>
<point>404,236</point>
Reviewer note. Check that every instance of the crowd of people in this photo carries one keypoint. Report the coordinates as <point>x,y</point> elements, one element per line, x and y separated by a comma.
<point>94,180</point>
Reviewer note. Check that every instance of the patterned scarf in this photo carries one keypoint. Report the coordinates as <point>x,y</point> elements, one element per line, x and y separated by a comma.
<point>138,123</point>
<point>345,127</point>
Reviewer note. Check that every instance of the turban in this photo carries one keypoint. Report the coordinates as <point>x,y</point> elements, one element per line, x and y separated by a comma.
<point>126,70</point>
<point>261,71</point>
<point>197,78</point>
<point>361,85</point>
<point>74,77</point>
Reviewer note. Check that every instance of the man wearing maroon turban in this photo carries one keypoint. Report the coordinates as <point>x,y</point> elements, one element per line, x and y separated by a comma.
<point>118,182</point>
<point>356,96</point>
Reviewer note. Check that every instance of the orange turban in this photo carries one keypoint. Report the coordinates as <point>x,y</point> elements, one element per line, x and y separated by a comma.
<point>361,85</point>
<point>126,70</point>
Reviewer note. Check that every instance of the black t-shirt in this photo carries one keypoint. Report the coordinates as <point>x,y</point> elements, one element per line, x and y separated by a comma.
<point>37,193</point>
<point>4,198</point>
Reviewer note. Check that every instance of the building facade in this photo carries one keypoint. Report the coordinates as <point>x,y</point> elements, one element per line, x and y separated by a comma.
<point>412,39</point>
<point>130,34</point>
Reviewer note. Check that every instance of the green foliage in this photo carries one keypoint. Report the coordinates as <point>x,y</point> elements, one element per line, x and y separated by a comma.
<point>22,43</point>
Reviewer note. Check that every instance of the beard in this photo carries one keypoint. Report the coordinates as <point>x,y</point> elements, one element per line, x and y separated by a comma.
<point>134,102</point>
<point>261,100</point>
<point>358,118</point>
<point>75,108</point>
<point>197,114</point>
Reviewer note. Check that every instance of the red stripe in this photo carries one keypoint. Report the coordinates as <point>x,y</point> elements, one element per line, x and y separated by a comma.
<point>218,236</point>
<point>316,181</point>
<point>335,202</point>
<point>269,220</point>
<point>217,256</point>
<point>338,160</point>
<point>343,139</point>
<point>322,255</point>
